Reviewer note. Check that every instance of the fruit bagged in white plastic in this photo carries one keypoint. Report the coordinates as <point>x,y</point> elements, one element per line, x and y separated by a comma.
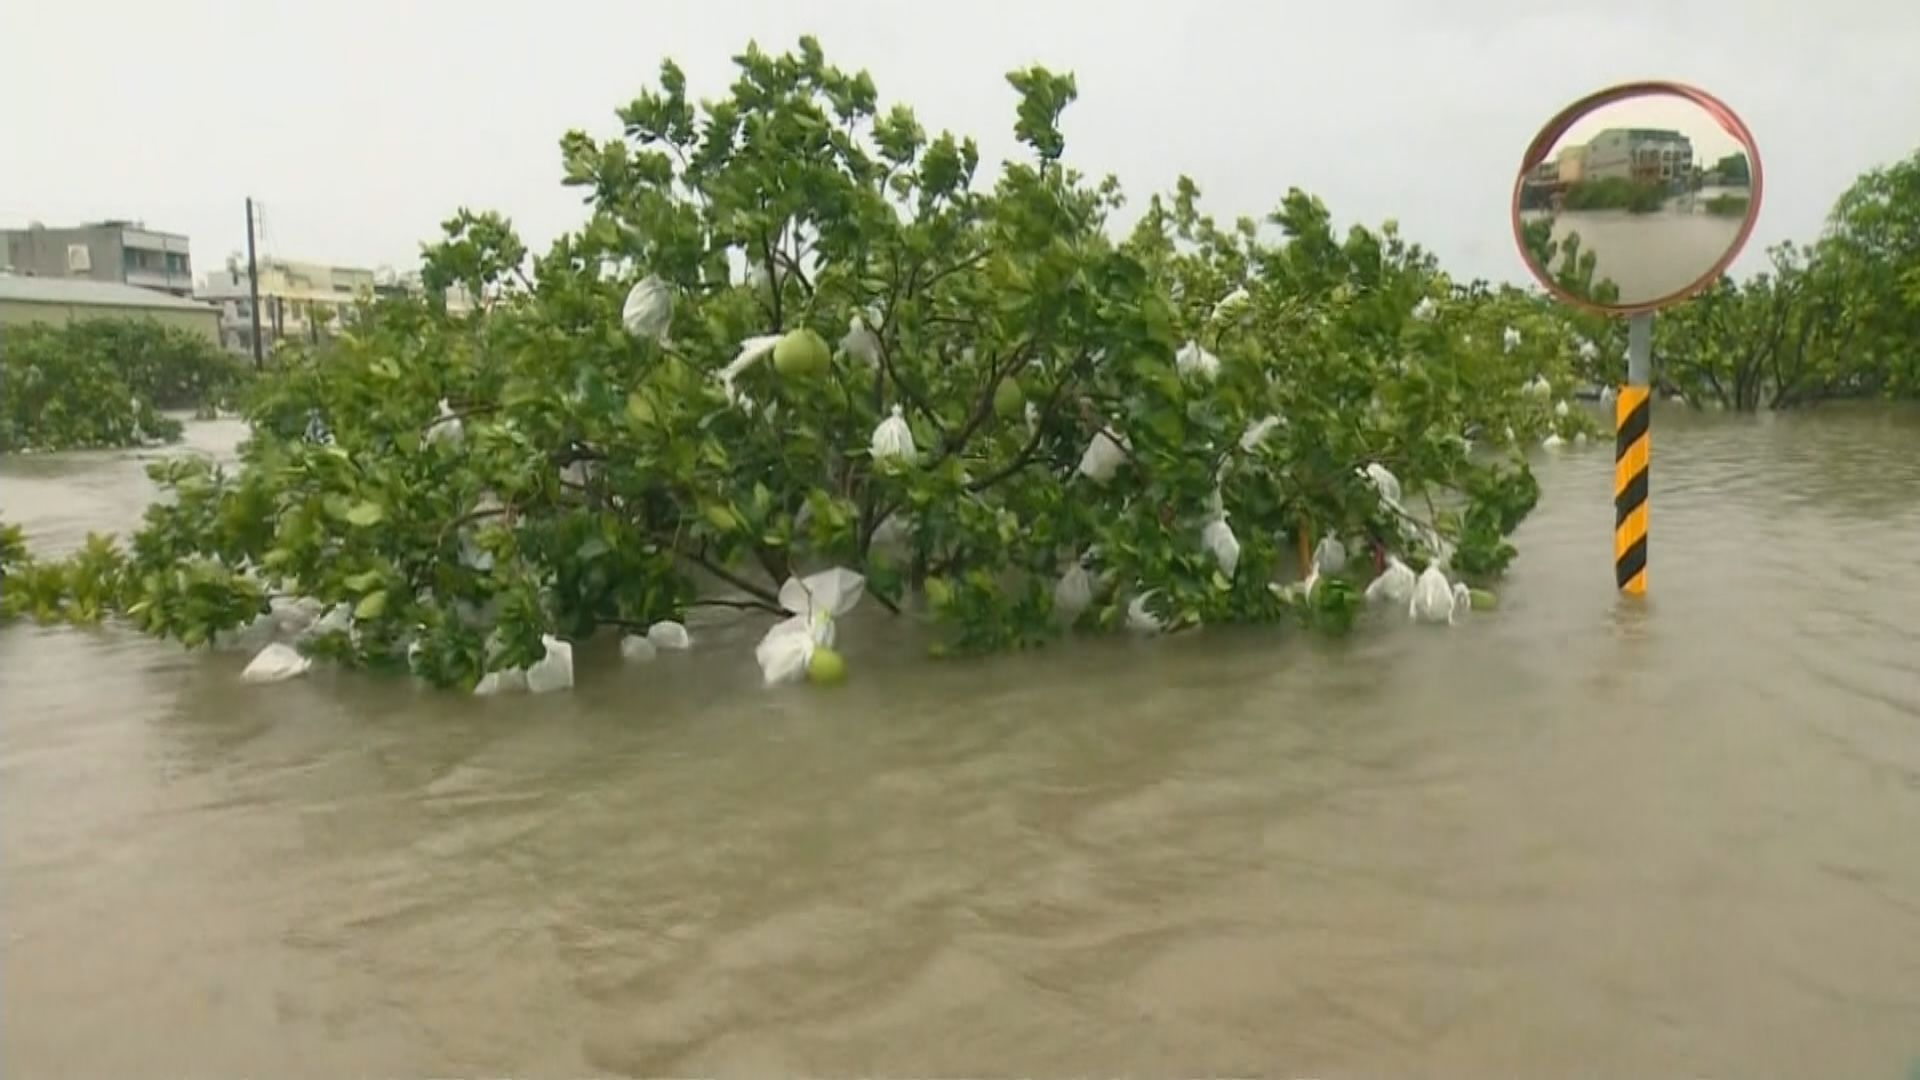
<point>1217,537</point>
<point>1432,597</point>
<point>1329,555</point>
<point>1194,360</point>
<point>893,439</point>
<point>648,310</point>
<point>1072,594</point>
<point>554,671</point>
<point>1395,584</point>
<point>1102,457</point>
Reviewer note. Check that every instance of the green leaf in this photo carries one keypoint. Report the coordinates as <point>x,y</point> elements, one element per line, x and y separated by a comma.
<point>371,606</point>
<point>639,409</point>
<point>366,514</point>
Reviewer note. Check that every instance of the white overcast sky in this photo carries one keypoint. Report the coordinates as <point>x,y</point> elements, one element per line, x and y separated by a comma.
<point>360,124</point>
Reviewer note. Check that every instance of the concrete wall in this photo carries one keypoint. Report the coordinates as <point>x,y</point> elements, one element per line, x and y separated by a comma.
<point>21,312</point>
<point>43,253</point>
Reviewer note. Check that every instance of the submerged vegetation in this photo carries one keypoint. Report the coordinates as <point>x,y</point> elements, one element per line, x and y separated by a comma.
<point>1837,318</point>
<point>100,383</point>
<point>798,331</point>
<point>1617,193</point>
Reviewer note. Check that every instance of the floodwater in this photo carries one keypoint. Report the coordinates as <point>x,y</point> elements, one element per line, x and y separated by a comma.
<point>1573,837</point>
<point>1651,256</point>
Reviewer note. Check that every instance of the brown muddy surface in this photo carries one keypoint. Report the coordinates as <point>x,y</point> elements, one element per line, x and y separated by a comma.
<point>1571,837</point>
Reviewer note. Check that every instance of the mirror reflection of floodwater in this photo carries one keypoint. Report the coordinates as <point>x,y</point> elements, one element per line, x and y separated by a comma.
<point>1570,835</point>
<point>1650,255</point>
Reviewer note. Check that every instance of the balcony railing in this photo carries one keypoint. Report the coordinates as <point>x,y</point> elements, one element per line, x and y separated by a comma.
<point>160,279</point>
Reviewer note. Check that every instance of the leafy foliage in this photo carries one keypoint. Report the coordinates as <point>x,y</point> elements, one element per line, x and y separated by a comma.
<point>100,382</point>
<point>1836,318</point>
<point>1616,193</point>
<point>457,486</point>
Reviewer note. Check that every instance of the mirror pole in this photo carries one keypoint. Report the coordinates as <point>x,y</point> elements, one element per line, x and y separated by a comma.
<point>1632,417</point>
<point>1640,349</point>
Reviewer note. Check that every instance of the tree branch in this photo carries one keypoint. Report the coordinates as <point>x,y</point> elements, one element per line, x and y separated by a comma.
<point>884,600</point>
<point>983,406</point>
<point>773,275</point>
<point>774,564</point>
<point>459,414</point>
<point>1025,456</point>
<point>470,517</point>
<point>699,558</point>
<point>753,604</point>
<point>964,264</point>
<point>793,267</point>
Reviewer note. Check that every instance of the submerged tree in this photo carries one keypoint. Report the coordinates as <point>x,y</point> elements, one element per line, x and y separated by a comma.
<point>797,331</point>
<point>1837,318</point>
<point>96,383</point>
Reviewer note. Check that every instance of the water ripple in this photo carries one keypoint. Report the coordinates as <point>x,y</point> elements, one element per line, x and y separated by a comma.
<point>1675,834</point>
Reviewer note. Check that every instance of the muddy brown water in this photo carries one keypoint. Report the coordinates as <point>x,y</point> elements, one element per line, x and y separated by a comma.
<point>1653,255</point>
<point>1573,837</point>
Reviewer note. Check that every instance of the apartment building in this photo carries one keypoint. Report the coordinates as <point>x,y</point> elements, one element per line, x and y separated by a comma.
<point>300,301</point>
<point>1644,155</point>
<point>116,252</point>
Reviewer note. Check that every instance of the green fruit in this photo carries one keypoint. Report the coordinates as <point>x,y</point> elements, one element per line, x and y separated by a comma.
<point>801,352</point>
<point>1483,600</point>
<point>826,667</point>
<point>1008,399</point>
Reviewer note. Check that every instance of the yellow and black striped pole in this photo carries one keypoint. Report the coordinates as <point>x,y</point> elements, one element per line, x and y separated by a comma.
<point>1632,411</point>
<point>1632,424</point>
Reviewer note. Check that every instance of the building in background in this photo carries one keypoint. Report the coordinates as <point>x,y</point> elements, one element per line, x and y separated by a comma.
<point>122,252</point>
<point>391,284</point>
<point>59,301</point>
<point>1570,165</point>
<point>1643,155</point>
<point>300,301</point>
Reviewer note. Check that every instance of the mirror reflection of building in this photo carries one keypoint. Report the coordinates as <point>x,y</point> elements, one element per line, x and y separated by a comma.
<point>1637,197</point>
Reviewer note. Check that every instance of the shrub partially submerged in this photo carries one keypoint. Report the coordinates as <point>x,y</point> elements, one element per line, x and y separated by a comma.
<point>626,428</point>
<point>99,383</point>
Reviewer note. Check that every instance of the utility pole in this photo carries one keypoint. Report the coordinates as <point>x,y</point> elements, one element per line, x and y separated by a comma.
<point>253,287</point>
